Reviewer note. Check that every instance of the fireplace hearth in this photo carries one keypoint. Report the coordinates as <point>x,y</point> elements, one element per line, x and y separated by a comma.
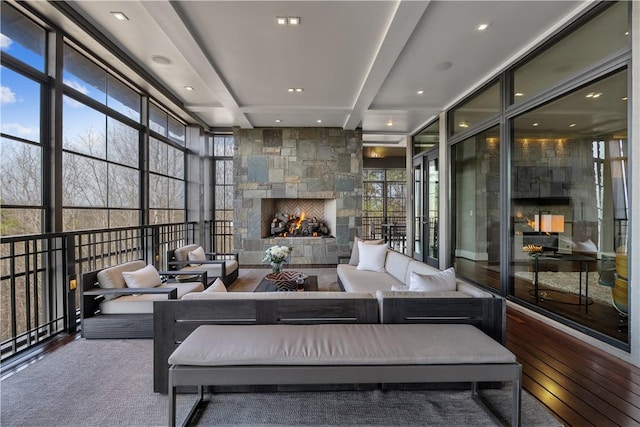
<point>292,225</point>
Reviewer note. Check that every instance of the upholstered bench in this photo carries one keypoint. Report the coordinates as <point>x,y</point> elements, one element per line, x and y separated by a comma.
<point>340,353</point>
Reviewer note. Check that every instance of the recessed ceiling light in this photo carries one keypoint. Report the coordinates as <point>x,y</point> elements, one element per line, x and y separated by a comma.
<point>593,95</point>
<point>463,124</point>
<point>188,87</point>
<point>278,120</point>
<point>120,16</point>
<point>626,33</point>
<point>162,60</point>
<point>572,125</point>
<point>536,124</point>
<point>420,92</point>
<point>624,98</point>
<point>299,89</point>
<point>294,20</point>
<point>518,94</point>
<point>295,89</point>
<point>281,20</point>
<point>390,122</point>
<point>319,121</point>
<point>482,27</point>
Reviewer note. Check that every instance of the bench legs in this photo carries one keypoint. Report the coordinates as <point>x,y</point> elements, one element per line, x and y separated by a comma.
<point>172,404</point>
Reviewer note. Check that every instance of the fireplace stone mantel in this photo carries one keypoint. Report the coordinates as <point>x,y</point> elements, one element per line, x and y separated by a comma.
<point>297,163</point>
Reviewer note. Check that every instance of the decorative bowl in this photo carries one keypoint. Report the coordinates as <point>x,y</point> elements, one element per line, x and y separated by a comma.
<point>285,280</point>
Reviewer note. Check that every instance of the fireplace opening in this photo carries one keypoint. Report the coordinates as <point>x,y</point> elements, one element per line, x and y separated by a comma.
<point>298,217</point>
<point>297,225</point>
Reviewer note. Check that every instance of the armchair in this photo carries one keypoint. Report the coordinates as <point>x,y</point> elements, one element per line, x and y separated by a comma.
<point>217,265</point>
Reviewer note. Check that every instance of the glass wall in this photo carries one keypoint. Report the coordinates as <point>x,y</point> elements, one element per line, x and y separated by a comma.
<point>384,202</point>
<point>475,181</point>
<point>101,139</point>
<point>223,189</point>
<point>22,84</point>
<point>566,135</point>
<point>569,203</point>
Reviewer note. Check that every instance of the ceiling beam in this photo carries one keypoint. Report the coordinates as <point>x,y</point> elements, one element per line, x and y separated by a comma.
<point>174,26</point>
<point>404,21</point>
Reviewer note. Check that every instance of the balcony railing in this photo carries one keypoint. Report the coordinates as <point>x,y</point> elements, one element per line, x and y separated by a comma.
<point>40,275</point>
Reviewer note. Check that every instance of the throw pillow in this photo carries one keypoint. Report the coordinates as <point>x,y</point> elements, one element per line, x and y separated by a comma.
<point>197,255</point>
<point>372,257</point>
<point>147,277</point>
<point>443,281</point>
<point>355,253</point>
<point>217,286</point>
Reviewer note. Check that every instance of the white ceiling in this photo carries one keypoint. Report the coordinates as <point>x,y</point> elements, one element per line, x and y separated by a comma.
<point>360,63</point>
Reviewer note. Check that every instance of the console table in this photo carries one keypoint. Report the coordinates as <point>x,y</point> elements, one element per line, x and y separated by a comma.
<point>582,260</point>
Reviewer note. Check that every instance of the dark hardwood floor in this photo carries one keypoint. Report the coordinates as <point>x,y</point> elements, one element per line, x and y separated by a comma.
<point>580,384</point>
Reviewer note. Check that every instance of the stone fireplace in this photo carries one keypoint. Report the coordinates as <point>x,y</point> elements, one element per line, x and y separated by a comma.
<point>291,170</point>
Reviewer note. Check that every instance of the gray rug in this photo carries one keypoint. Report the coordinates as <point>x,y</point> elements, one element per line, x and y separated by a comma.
<point>109,383</point>
<point>570,282</point>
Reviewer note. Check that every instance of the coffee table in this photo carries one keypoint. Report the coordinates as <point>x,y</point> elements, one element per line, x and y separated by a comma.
<point>310,284</point>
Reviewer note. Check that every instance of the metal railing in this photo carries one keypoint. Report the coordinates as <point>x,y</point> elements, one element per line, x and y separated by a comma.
<point>40,275</point>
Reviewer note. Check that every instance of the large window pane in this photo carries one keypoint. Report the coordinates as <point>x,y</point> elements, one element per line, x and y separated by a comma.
<point>21,173</point>
<point>124,188</point>
<point>176,131</point>
<point>83,129</point>
<point>427,139</point>
<point>85,182</point>
<point>157,156</point>
<point>481,107</point>
<point>85,219</point>
<point>83,75</point>
<point>176,194</point>
<point>157,120</point>
<point>475,209</point>
<point>19,105</point>
<point>122,143</point>
<point>569,203</point>
<point>122,98</point>
<point>602,36</point>
<point>21,38</point>
<point>158,191</point>
<point>175,163</point>
<point>16,221</point>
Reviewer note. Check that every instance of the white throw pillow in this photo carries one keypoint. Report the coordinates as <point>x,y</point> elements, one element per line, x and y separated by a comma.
<point>197,255</point>
<point>147,277</point>
<point>372,257</point>
<point>355,253</point>
<point>443,281</point>
<point>217,286</point>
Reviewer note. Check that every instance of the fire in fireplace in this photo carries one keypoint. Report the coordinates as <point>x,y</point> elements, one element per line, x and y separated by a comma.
<point>291,225</point>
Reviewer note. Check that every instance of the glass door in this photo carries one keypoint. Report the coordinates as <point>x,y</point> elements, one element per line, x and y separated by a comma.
<point>426,212</point>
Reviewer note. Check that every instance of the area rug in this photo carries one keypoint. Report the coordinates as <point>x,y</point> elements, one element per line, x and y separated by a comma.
<point>110,383</point>
<point>569,282</point>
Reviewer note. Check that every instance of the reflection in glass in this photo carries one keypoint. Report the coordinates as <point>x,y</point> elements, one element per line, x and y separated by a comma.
<point>603,35</point>
<point>20,106</point>
<point>83,75</point>
<point>475,208</point>
<point>569,160</point>
<point>22,38</point>
<point>427,139</point>
<point>122,98</point>
<point>481,107</point>
<point>157,119</point>
<point>433,192</point>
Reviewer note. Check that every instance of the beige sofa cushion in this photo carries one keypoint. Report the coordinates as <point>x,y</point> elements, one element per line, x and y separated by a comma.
<point>441,281</point>
<point>355,280</point>
<point>146,277</point>
<point>143,303</point>
<point>213,270</point>
<point>276,295</point>
<point>112,277</point>
<point>396,265</point>
<point>182,253</point>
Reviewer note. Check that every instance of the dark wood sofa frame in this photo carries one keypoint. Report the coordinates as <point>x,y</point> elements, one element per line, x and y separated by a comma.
<point>212,258</point>
<point>96,325</point>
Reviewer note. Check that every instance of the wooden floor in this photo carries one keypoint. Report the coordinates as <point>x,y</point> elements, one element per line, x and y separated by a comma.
<point>581,385</point>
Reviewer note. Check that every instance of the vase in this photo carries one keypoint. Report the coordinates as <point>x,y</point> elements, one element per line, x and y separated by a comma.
<point>276,267</point>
